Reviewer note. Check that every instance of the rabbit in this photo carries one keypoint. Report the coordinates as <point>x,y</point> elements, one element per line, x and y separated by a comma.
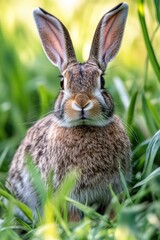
<point>82,133</point>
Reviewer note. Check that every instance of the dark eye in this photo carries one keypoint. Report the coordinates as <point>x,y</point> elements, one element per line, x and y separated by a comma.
<point>62,83</point>
<point>102,82</point>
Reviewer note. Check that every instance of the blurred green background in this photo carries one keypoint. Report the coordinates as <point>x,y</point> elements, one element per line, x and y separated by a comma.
<point>29,83</point>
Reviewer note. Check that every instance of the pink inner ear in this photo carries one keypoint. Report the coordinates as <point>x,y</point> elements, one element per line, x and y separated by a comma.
<point>55,39</point>
<point>111,35</point>
<point>51,38</point>
<point>110,32</point>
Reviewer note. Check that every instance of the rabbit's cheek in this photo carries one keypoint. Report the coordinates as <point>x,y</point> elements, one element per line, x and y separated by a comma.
<point>72,115</point>
<point>109,105</point>
<point>95,111</point>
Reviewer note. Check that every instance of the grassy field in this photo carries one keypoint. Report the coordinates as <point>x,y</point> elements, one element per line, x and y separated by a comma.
<point>29,85</point>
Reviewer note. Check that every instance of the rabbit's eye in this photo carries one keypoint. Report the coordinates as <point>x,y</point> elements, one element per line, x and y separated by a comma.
<point>62,83</point>
<point>102,82</point>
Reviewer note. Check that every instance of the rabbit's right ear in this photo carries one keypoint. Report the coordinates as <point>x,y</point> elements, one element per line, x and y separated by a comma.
<point>108,36</point>
<point>55,39</point>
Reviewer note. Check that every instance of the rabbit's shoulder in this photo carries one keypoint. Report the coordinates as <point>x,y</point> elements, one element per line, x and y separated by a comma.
<point>34,145</point>
<point>38,135</point>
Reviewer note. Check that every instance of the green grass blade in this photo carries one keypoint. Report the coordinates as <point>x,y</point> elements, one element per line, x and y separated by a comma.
<point>36,179</point>
<point>128,223</point>
<point>153,175</point>
<point>154,112</point>
<point>140,149</point>
<point>43,98</point>
<point>148,118</point>
<point>122,91</point>
<point>151,54</point>
<point>151,152</point>
<point>125,186</point>
<point>157,7</point>
<point>89,211</point>
<point>132,107</point>
<point>25,209</point>
<point>3,155</point>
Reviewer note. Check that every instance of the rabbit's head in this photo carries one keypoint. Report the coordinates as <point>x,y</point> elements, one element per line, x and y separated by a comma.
<point>83,99</point>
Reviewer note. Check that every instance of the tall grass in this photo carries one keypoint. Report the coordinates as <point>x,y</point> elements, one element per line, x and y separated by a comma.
<point>27,93</point>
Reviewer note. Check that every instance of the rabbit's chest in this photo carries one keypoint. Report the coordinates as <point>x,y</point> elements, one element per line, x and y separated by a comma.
<point>82,148</point>
<point>86,150</point>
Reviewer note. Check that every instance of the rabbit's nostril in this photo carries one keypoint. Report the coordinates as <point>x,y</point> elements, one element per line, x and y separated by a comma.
<point>82,101</point>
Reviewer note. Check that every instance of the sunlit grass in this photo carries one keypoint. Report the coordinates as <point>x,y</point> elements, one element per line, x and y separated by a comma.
<point>29,86</point>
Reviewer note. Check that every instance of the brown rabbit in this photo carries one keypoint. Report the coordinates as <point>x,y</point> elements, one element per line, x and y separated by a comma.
<point>82,133</point>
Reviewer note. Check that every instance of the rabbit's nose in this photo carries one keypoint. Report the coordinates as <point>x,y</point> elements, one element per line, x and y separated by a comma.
<point>82,101</point>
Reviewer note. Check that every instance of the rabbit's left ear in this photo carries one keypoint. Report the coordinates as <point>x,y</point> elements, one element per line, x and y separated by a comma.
<point>108,36</point>
<point>55,39</point>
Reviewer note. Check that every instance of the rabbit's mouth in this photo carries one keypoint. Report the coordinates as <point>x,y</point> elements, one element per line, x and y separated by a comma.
<point>85,121</point>
<point>83,118</point>
<point>83,115</point>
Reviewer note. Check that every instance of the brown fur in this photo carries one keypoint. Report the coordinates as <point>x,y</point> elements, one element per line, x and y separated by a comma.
<point>96,153</point>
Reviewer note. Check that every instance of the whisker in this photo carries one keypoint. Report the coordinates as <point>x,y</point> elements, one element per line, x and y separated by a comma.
<point>46,114</point>
<point>131,131</point>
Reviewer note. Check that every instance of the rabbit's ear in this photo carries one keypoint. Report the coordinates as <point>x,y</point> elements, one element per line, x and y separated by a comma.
<point>55,39</point>
<point>108,35</point>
